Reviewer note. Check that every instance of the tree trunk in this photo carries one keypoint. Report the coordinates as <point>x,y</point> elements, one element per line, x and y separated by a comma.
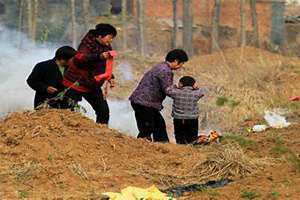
<point>20,25</point>
<point>278,30</point>
<point>243,24</point>
<point>215,26</point>
<point>175,26</point>
<point>34,20</point>
<point>140,13</point>
<point>74,33</point>
<point>124,23</point>
<point>187,27</point>
<point>86,13</point>
<point>29,18</point>
<point>254,22</point>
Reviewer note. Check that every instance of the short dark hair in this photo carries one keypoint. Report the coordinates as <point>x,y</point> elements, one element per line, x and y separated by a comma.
<point>177,54</point>
<point>65,53</point>
<point>187,81</point>
<point>105,29</point>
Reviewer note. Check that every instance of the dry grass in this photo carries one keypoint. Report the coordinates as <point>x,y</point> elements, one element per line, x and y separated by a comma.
<point>230,162</point>
<point>226,161</point>
<point>78,170</point>
<point>251,79</point>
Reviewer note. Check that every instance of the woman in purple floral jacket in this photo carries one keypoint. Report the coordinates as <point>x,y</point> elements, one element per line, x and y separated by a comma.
<point>147,98</point>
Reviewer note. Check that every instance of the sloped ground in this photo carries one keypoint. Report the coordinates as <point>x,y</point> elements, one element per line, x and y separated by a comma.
<point>242,83</point>
<point>53,154</point>
<point>59,154</point>
<point>278,181</point>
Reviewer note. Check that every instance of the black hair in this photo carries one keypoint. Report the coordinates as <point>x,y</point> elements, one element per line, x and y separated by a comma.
<point>65,53</point>
<point>105,29</point>
<point>187,81</point>
<point>177,54</point>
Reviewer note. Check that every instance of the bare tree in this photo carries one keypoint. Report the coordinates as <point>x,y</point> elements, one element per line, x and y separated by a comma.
<point>243,24</point>
<point>74,33</point>
<point>29,18</point>
<point>187,27</point>
<point>215,26</point>
<point>20,24</point>
<point>175,25</point>
<point>141,39</point>
<point>34,19</point>
<point>86,13</point>
<point>124,23</point>
<point>254,22</point>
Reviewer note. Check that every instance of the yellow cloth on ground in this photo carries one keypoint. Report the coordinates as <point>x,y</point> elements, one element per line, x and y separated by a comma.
<point>135,193</point>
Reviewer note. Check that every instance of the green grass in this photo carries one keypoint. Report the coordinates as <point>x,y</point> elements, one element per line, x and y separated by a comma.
<point>294,161</point>
<point>279,150</point>
<point>275,195</point>
<point>221,101</point>
<point>233,103</point>
<point>50,158</point>
<point>228,101</point>
<point>249,194</point>
<point>22,194</point>
<point>293,106</point>
<point>241,140</point>
<point>278,140</point>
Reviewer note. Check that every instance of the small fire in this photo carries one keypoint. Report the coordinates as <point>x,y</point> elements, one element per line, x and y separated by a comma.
<point>212,136</point>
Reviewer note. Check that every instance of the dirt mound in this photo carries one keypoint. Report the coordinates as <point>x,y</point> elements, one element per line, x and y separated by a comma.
<point>64,152</point>
<point>58,154</point>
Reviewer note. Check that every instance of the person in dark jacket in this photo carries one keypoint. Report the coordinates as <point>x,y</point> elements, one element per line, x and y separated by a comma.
<point>46,78</point>
<point>147,98</point>
<point>89,63</point>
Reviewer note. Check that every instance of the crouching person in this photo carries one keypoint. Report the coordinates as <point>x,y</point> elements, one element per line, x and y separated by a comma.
<point>185,111</point>
<point>46,79</point>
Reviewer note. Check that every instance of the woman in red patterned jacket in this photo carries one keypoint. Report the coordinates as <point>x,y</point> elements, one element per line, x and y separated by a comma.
<point>88,63</point>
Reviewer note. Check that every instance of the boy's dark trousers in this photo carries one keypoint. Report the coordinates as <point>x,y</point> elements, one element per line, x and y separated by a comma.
<point>150,121</point>
<point>185,130</point>
<point>95,99</point>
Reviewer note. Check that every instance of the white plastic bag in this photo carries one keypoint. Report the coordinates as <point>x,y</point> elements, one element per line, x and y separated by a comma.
<point>275,120</point>
<point>259,128</point>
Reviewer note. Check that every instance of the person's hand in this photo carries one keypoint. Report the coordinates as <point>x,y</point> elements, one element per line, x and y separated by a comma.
<point>51,90</point>
<point>105,55</point>
<point>105,90</point>
<point>195,86</point>
<point>112,83</point>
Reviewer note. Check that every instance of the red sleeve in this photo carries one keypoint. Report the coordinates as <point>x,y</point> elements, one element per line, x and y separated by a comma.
<point>109,68</point>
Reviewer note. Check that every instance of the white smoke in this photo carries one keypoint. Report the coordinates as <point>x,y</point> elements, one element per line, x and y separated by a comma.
<point>126,72</point>
<point>17,62</point>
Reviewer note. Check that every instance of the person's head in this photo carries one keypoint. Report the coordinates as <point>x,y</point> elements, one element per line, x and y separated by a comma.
<point>105,33</point>
<point>176,58</point>
<point>64,54</point>
<point>187,81</point>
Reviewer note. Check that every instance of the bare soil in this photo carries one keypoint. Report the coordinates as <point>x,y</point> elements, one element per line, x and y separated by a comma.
<point>59,154</point>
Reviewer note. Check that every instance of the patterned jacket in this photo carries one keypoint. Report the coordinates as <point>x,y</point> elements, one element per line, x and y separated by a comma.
<point>151,90</point>
<point>86,64</point>
<point>185,105</point>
